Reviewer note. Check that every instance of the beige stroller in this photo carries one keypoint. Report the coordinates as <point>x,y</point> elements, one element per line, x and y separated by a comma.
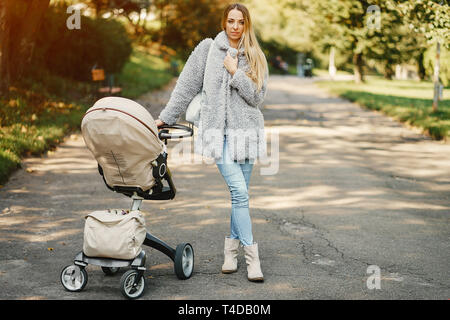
<point>132,159</point>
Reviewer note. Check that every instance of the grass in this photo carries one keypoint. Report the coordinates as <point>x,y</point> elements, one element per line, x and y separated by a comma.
<point>32,123</point>
<point>36,116</point>
<point>407,101</point>
<point>142,73</point>
<point>325,72</point>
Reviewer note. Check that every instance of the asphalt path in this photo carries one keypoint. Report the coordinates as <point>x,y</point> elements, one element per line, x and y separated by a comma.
<point>350,205</point>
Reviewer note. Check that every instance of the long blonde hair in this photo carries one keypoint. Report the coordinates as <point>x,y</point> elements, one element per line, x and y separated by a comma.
<point>255,56</point>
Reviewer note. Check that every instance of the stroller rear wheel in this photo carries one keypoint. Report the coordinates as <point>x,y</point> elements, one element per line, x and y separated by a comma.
<point>184,261</point>
<point>109,271</point>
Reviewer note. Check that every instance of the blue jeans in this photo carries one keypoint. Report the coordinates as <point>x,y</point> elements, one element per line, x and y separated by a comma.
<point>237,177</point>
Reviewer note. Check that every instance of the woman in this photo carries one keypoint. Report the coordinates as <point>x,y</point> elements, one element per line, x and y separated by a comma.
<point>231,126</point>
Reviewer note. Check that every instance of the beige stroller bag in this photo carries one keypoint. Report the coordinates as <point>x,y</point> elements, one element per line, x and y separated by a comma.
<point>114,234</point>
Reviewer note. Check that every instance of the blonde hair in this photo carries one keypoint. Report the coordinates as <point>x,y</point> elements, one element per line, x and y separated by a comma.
<point>255,56</point>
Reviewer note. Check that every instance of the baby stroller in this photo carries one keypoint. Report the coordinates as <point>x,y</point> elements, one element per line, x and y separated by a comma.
<point>132,159</point>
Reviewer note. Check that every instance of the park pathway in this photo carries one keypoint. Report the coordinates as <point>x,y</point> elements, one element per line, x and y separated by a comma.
<point>346,190</point>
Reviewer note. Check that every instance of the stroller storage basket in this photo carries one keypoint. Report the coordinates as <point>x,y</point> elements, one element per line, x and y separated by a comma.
<point>117,234</point>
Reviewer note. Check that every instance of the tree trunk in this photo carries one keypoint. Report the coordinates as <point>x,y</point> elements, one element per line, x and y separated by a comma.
<point>420,66</point>
<point>436,77</point>
<point>26,35</point>
<point>98,8</point>
<point>5,45</point>
<point>388,71</point>
<point>358,67</point>
<point>331,65</point>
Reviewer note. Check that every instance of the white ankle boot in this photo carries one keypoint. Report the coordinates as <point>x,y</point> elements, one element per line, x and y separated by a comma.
<point>253,264</point>
<point>231,252</point>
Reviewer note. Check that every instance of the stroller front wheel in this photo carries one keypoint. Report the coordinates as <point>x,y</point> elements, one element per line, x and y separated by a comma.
<point>184,261</point>
<point>74,278</point>
<point>129,287</point>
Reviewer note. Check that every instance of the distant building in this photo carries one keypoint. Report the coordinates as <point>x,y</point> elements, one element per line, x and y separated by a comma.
<point>406,72</point>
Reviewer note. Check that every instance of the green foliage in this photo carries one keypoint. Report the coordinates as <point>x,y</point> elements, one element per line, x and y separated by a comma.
<point>350,26</point>
<point>184,23</point>
<point>372,33</point>
<point>285,22</point>
<point>36,119</point>
<point>73,53</point>
<point>272,49</point>
<point>142,73</point>
<point>428,18</point>
<point>32,122</point>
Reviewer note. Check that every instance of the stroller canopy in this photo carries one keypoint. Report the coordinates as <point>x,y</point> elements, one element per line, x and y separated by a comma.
<point>123,137</point>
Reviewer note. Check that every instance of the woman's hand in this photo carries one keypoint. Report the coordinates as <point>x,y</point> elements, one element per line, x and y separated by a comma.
<point>230,63</point>
<point>159,123</point>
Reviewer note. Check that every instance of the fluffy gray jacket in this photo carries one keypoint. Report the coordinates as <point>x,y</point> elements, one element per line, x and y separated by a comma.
<point>230,104</point>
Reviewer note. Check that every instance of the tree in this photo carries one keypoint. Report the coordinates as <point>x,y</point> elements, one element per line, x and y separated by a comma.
<point>99,6</point>
<point>371,32</point>
<point>6,8</point>
<point>130,9</point>
<point>392,42</point>
<point>431,20</point>
<point>285,22</point>
<point>342,24</point>
<point>184,23</point>
<point>19,22</point>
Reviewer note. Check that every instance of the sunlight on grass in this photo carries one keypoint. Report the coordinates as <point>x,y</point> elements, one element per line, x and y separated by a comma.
<point>31,123</point>
<point>143,73</point>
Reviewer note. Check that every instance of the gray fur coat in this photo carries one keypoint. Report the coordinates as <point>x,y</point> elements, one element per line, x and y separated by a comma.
<point>230,104</point>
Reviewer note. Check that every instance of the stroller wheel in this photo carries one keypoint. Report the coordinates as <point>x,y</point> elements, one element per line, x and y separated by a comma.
<point>184,261</point>
<point>127,288</point>
<point>74,278</point>
<point>109,271</point>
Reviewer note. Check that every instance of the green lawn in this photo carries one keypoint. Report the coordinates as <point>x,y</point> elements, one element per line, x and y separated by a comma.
<point>143,73</point>
<point>325,72</point>
<point>405,100</point>
<point>32,123</point>
<point>33,120</point>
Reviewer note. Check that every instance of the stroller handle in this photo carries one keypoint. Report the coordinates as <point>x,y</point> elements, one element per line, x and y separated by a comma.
<point>164,134</point>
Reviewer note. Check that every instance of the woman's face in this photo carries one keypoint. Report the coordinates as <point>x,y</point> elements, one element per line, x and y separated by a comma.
<point>235,24</point>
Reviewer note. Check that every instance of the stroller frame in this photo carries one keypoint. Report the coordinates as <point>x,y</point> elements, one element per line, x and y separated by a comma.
<point>74,277</point>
